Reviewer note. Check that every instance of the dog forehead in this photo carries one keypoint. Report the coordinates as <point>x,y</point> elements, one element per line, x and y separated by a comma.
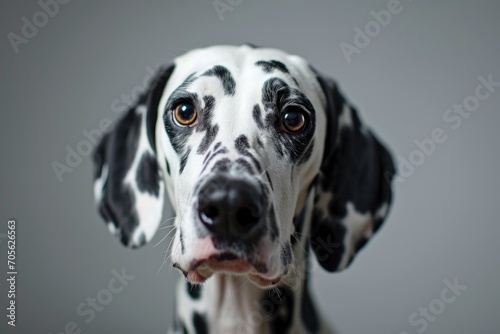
<point>243,62</point>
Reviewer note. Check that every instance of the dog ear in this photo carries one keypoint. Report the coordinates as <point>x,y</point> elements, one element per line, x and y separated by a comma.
<point>129,185</point>
<point>353,191</point>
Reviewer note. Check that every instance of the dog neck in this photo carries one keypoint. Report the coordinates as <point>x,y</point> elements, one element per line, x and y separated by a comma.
<point>232,304</point>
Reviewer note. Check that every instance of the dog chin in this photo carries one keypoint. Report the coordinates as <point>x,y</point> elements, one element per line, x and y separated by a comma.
<point>227,264</point>
<point>200,276</point>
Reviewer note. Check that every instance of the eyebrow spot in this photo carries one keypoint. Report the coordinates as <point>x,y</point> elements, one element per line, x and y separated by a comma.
<point>224,76</point>
<point>269,66</point>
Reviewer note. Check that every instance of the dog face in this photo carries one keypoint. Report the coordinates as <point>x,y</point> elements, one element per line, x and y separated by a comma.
<point>257,153</point>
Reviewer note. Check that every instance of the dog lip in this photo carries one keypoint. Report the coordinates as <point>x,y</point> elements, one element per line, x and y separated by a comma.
<point>225,256</point>
<point>238,266</point>
<point>265,282</point>
<point>178,267</point>
<point>199,270</point>
<point>225,261</point>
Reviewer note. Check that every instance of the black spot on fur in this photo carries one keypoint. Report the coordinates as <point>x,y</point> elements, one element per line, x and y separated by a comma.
<point>327,240</point>
<point>308,311</point>
<point>278,304</point>
<point>200,323</point>
<point>184,159</point>
<point>241,143</point>
<point>271,65</point>
<point>148,175</point>
<point>206,157</point>
<point>208,139</point>
<point>117,150</point>
<point>167,165</point>
<point>354,172</point>
<point>256,113</point>
<point>307,154</point>
<point>269,179</point>
<point>242,146</point>
<point>216,153</point>
<point>223,166</point>
<point>286,254</point>
<point>153,100</point>
<point>99,156</point>
<point>259,142</point>
<point>245,165</point>
<point>224,76</point>
<point>298,223</point>
<point>194,290</point>
<point>206,114</point>
<point>273,224</point>
<point>205,124</point>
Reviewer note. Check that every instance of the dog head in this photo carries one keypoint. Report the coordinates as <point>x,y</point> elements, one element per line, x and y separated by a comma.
<point>257,153</point>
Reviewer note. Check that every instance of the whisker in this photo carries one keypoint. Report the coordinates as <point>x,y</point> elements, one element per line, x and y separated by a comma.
<point>164,237</point>
<point>161,267</point>
<point>166,258</point>
<point>169,219</point>
<point>265,170</point>
<point>164,227</point>
<point>299,243</point>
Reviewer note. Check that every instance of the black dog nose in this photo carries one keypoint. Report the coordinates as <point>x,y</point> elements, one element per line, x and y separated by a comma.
<point>230,209</point>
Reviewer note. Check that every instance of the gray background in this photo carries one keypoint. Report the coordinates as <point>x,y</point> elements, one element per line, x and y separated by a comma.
<point>444,223</point>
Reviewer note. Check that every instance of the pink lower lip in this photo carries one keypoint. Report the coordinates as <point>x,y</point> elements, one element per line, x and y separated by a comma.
<point>236,265</point>
<point>265,281</point>
<point>209,260</point>
<point>205,269</point>
<point>195,277</point>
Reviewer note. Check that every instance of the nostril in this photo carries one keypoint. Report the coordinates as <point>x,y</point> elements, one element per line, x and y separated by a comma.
<point>209,214</point>
<point>247,217</point>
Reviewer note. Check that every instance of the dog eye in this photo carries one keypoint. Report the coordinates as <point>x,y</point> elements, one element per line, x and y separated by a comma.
<point>293,121</point>
<point>185,114</point>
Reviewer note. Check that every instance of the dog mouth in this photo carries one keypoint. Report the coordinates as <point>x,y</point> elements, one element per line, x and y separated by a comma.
<point>228,263</point>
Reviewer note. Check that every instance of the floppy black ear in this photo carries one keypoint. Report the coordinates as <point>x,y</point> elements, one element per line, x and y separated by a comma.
<point>129,185</point>
<point>353,192</point>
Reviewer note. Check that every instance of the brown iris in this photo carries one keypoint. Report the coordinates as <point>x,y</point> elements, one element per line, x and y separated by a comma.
<point>293,121</point>
<point>185,114</point>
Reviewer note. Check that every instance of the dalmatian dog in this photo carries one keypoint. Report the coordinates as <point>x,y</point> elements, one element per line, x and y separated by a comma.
<point>265,163</point>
